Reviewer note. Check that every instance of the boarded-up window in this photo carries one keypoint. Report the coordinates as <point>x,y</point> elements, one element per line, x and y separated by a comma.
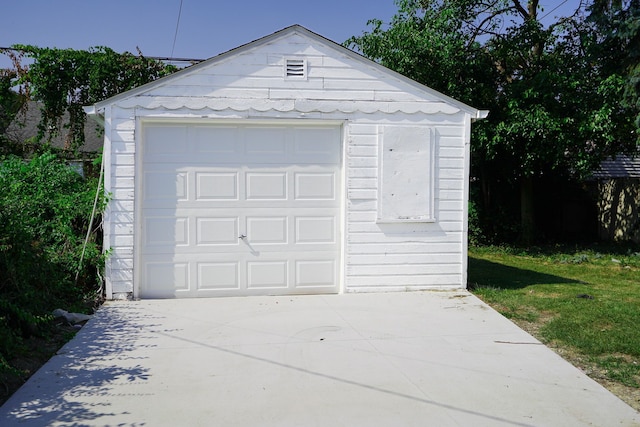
<point>406,178</point>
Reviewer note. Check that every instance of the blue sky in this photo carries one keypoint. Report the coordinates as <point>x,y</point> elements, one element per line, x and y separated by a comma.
<point>207,27</point>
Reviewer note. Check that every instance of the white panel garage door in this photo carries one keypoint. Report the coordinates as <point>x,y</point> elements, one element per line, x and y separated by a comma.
<point>239,210</point>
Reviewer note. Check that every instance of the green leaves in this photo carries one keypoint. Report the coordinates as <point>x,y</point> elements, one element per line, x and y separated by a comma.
<point>562,95</point>
<point>63,80</point>
<point>552,109</point>
<point>44,212</point>
<point>424,41</point>
<point>45,208</point>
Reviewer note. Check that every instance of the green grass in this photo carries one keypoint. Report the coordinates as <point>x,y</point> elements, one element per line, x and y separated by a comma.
<point>584,303</point>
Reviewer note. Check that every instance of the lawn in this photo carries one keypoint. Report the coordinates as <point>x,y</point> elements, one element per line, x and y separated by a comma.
<point>584,304</point>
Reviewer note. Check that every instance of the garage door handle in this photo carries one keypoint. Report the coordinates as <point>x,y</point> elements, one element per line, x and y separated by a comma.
<point>242,236</point>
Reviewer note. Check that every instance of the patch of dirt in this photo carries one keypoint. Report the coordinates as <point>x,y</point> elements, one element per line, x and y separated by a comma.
<point>35,353</point>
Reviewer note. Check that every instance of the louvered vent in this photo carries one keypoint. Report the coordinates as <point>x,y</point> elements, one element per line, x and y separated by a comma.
<point>295,68</point>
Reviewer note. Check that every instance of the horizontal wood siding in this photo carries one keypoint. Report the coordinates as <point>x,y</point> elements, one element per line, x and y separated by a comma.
<point>259,74</point>
<point>404,256</point>
<point>119,215</point>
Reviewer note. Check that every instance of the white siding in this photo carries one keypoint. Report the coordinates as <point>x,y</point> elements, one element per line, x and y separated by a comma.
<point>120,214</point>
<point>412,255</point>
<point>250,85</point>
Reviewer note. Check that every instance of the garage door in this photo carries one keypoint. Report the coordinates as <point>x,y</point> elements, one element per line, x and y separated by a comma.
<point>239,210</point>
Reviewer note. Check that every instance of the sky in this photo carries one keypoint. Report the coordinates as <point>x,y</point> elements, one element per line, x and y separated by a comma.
<point>206,28</point>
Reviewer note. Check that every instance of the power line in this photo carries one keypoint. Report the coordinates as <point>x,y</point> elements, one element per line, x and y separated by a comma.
<point>171,59</point>
<point>175,35</point>
<point>551,11</point>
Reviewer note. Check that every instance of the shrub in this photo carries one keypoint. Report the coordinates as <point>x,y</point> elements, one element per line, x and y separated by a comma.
<point>45,209</point>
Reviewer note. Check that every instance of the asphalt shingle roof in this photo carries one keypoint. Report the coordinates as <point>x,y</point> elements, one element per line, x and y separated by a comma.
<point>25,126</point>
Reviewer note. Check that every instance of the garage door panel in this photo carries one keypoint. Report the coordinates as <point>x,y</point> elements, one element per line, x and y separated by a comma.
<point>221,142</point>
<point>268,274</point>
<point>217,231</point>
<point>315,229</point>
<point>241,211</point>
<point>218,276</point>
<point>314,186</point>
<point>316,145</point>
<point>265,144</point>
<point>315,273</point>
<point>165,278</point>
<point>165,143</point>
<point>216,186</point>
<point>165,231</point>
<point>166,185</point>
<point>266,186</point>
<point>267,230</point>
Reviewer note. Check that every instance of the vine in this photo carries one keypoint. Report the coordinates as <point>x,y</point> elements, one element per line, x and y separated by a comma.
<point>64,80</point>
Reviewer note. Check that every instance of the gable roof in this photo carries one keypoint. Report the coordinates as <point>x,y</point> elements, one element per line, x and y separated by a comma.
<point>286,32</point>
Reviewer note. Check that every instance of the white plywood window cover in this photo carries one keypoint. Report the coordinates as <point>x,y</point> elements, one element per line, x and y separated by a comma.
<point>295,68</point>
<point>406,180</point>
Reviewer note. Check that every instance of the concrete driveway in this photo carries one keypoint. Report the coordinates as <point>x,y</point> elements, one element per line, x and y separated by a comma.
<point>391,359</point>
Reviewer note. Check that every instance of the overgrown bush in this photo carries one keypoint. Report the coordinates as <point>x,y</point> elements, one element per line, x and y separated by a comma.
<point>45,209</point>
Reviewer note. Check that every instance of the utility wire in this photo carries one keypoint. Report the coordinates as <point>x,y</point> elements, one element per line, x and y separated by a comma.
<point>175,35</point>
<point>547,14</point>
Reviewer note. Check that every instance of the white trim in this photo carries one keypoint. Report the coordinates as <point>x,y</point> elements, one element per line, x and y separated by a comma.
<point>482,114</point>
<point>106,224</point>
<point>145,120</point>
<point>344,158</point>
<point>465,195</point>
<point>142,122</point>
<point>138,137</point>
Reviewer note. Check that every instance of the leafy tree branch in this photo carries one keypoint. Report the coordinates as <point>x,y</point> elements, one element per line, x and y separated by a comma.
<point>64,80</point>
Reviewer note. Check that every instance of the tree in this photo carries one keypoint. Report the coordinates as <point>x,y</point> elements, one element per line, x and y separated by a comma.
<point>617,24</point>
<point>63,80</point>
<point>552,112</point>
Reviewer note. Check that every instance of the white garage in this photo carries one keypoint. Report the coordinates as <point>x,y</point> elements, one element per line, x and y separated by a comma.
<point>290,165</point>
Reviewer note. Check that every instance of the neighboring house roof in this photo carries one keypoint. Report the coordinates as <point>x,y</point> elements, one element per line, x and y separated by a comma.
<point>623,166</point>
<point>25,127</point>
<point>425,91</point>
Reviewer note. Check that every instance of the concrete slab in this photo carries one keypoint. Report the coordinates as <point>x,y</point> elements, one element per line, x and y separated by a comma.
<point>392,359</point>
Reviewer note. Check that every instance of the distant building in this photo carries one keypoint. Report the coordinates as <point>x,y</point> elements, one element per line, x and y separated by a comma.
<point>25,128</point>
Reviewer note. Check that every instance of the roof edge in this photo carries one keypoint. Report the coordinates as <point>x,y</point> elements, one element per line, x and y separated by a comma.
<point>475,113</point>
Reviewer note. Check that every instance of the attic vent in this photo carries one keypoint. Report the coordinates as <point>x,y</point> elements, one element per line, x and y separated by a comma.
<point>295,68</point>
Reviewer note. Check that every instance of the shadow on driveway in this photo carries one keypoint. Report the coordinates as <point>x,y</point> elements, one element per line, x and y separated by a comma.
<point>111,336</point>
